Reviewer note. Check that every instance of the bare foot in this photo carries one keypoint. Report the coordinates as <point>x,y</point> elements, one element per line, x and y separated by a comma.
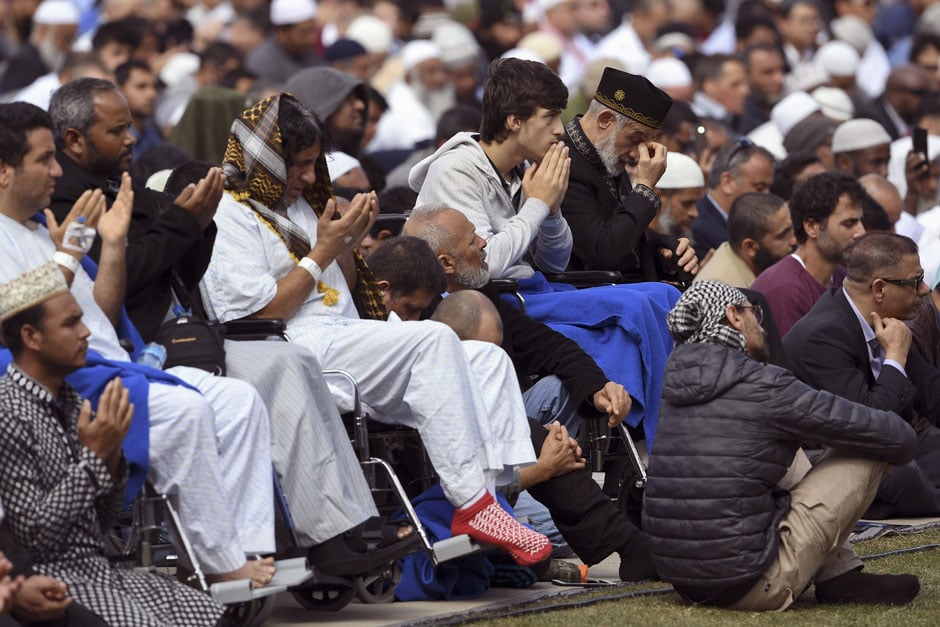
<point>259,572</point>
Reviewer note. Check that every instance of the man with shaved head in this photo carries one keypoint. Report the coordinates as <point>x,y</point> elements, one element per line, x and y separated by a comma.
<point>471,315</point>
<point>885,194</point>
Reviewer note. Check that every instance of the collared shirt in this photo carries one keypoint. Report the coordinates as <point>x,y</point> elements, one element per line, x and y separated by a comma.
<point>876,354</point>
<point>721,210</point>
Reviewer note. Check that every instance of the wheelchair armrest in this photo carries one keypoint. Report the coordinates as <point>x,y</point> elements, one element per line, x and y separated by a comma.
<point>255,329</point>
<point>586,278</point>
<point>505,286</point>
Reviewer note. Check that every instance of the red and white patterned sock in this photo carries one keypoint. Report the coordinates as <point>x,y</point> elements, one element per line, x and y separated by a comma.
<point>486,521</point>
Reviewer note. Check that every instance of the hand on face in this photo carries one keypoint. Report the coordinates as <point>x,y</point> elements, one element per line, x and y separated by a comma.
<point>651,163</point>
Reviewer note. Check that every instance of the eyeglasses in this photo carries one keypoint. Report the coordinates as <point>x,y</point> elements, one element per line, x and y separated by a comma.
<point>756,310</point>
<point>912,283</point>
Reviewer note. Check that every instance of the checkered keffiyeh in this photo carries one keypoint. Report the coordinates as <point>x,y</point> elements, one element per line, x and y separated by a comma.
<point>699,316</point>
<point>256,174</point>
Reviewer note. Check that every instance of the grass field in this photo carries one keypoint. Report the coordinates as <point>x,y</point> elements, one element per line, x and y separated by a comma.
<point>669,609</point>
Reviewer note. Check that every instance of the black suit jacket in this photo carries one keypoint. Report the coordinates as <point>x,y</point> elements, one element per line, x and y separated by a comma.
<point>709,229</point>
<point>827,350</point>
<point>166,249</point>
<point>610,226</point>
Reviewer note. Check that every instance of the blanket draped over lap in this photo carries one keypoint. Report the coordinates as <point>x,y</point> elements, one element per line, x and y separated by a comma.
<point>623,327</point>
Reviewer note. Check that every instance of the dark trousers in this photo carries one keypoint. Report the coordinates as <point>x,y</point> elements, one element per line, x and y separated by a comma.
<point>75,615</point>
<point>590,523</point>
<point>912,489</point>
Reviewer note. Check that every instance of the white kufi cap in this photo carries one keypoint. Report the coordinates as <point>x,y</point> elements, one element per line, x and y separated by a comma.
<point>682,172</point>
<point>859,134</point>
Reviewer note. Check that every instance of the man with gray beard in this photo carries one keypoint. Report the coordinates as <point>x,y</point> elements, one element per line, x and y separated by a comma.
<point>55,24</point>
<point>415,102</point>
<point>609,214</point>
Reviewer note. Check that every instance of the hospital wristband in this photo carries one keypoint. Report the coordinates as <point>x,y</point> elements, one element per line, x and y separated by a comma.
<point>311,267</point>
<point>67,261</point>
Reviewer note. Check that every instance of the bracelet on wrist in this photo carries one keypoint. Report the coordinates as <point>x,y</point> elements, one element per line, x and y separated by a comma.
<point>67,261</point>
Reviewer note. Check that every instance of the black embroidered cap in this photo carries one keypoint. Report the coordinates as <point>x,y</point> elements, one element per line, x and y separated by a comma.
<point>633,96</point>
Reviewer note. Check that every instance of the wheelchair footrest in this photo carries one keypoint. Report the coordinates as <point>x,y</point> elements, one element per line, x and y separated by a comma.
<point>290,573</point>
<point>457,546</point>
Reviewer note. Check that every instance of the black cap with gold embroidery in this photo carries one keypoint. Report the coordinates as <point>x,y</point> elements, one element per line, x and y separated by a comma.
<point>633,96</point>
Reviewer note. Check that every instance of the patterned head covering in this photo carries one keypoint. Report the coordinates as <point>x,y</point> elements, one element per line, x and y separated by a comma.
<point>699,316</point>
<point>31,288</point>
<point>256,175</point>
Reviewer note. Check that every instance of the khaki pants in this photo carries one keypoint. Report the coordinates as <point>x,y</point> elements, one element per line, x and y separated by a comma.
<point>825,503</point>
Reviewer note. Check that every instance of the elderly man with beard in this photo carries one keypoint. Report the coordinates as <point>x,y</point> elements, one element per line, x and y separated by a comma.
<point>415,102</point>
<point>854,343</point>
<point>760,234</point>
<point>609,214</point>
<point>826,212</point>
<point>55,24</point>
<point>680,188</point>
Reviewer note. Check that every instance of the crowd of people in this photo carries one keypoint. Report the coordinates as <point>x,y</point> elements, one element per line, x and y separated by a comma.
<point>759,178</point>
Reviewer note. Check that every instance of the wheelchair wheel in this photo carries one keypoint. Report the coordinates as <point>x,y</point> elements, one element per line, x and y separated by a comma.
<point>243,614</point>
<point>324,597</point>
<point>380,587</point>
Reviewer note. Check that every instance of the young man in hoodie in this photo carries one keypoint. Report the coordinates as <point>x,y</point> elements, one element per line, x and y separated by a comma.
<point>516,211</point>
<point>736,517</point>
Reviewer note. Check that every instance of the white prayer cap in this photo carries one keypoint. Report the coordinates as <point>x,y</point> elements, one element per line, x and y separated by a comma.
<point>854,31</point>
<point>522,53</point>
<point>791,110</point>
<point>669,72</point>
<point>370,31</point>
<point>858,134</point>
<point>835,103</point>
<point>929,20</point>
<point>340,163</point>
<point>56,12</point>
<point>548,47</point>
<point>458,45</point>
<point>286,12</point>
<point>673,40</point>
<point>417,52</point>
<point>31,288</point>
<point>837,58</point>
<point>180,65</point>
<point>682,172</point>
<point>544,6</point>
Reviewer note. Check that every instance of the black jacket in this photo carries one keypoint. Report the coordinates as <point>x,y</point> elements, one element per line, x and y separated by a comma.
<point>609,222</point>
<point>828,351</point>
<point>165,246</point>
<point>729,428</point>
<point>710,228</point>
<point>875,110</point>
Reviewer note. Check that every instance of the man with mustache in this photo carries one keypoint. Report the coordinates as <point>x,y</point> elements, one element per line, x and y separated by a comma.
<point>608,212</point>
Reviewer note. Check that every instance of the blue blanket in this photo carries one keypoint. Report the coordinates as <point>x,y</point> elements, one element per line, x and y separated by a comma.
<point>464,578</point>
<point>623,327</point>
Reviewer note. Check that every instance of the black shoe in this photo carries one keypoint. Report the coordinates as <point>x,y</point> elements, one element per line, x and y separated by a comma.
<point>363,549</point>
<point>858,587</point>
<point>636,562</point>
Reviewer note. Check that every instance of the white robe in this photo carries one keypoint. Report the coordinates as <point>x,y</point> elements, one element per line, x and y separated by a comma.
<point>417,374</point>
<point>209,451</point>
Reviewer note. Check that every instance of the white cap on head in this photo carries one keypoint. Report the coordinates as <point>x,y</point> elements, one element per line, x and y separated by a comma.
<point>854,31</point>
<point>837,58</point>
<point>792,110</point>
<point>524,54</point>
<point>669,72</point>
<point>340,163</point>
<point>371,32</point>
<point>859,134</point>
<point>835,103</point>
<point>180,65</point>
<point>682,172</point>
<point>458,45</point>
<point>286,12</point>
<point>56,12</point>
<point>417,52</point>
<point>31,288</point>
<point>548,47</point>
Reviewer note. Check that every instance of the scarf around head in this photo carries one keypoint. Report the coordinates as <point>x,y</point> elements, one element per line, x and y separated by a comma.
<point>256,175</point>
<point>699,316</point>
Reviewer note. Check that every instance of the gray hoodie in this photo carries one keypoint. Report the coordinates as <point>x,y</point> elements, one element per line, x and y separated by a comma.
<point>461,176</point>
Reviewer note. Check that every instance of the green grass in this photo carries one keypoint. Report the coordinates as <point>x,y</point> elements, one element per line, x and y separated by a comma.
<point>669,609</point>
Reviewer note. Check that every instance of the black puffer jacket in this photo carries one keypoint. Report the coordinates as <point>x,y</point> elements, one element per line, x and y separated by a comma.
<point>729,427</point>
